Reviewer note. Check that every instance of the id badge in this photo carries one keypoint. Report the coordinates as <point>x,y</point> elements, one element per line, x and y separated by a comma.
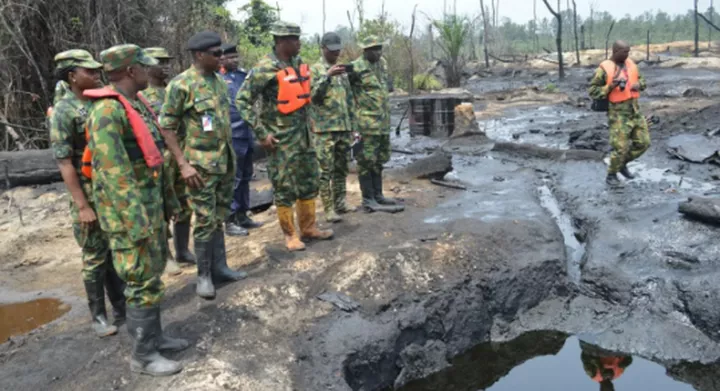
<point>207,123</point>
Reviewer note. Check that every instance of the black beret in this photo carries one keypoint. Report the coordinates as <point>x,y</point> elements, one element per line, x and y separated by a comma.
<point>203,41</point>
<point>228,48</point>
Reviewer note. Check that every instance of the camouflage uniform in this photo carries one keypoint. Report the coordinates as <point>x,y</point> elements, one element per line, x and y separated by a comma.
<point>629,134</point>
<point>332,120</point>
<point>67,138</point>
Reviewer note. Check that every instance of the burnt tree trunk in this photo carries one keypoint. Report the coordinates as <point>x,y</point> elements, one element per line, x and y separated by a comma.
<point>485,33</point>
<point>577,49</point>
<point>697,30</point>
<point>558,38</point>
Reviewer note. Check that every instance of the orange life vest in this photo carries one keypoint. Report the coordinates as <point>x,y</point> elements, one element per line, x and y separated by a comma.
<point>293,89</point>
<point>150,151</point>
<point>610,363</point>
<point>630,74</point>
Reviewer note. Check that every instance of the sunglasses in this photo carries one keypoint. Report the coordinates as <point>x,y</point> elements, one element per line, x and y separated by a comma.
<point>216,52</point>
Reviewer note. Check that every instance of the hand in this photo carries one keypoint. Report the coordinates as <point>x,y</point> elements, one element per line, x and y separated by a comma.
<point>336,70</point>
<point>269,143</point>
<point>87,216</point>
<point>636,87</point>
<point>191,177</point>
<point>615,83</point>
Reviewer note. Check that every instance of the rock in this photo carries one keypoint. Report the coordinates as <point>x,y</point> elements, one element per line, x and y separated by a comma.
<point>418,361</point>
<point>695,148</point>
<point>700,298</point>
<point>434,166</point>
<point>695,93</point>
<point>701,208</point>
<point>593,139</point>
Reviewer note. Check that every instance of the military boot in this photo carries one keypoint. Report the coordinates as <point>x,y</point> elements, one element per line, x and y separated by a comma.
<point>287,224</point>
<point>378,188</point>
<point>613,181</point>
<point>369,204</point>
<point>115,288</point>
<point>626,173</point>
<point>165,343</point>
<point>339,201</point>
<point>204,254</point>
<point>181,239</point>
<point>243,220</point>
<point>171,266</point>
<point>307,221</point>
<point>220,270</point>
<point>233,229</point>
<point>144,328</point>
<point>96,301</point>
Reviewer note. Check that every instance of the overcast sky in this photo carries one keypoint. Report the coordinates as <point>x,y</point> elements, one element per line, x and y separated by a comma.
<point>308,13</point>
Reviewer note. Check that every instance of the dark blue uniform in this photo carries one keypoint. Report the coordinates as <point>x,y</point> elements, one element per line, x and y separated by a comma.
<point>242,144</point>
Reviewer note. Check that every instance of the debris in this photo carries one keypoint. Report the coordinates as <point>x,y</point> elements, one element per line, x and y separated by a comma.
<point>701,208</point>
<point>403,151</point>
<point>436,165</point>
<point>448,184</point>
<point>694,148</point>
<point>498,178</point>
<point>339,300</point>
<point>694,93</point>
<point>683,256</point>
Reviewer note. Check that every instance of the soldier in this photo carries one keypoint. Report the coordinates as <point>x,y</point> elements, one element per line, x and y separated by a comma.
<point>133,200</point>
<point>333,116</point>
<point>155,94</point>
<point>78,71</point>
<point>282,82</point>
<point>242,141</point>
<point>197,106</point>
<point>370,87</point>
<point>619,81</point>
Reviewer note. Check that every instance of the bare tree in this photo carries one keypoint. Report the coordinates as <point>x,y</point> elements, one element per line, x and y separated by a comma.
<point>409,46</point>
<point>492,17</point>
<point>558,38</point>
<point>497,13</point>
<point>592,24</point>
<point>697,30</point>
<point>577,50</point>
<point>432,42</point>
<point>711,11</point>
<point>607,38</point>
<point>647,51</point>
<point>324,15</point>
<point>485,33</point>
<point>536,39</point>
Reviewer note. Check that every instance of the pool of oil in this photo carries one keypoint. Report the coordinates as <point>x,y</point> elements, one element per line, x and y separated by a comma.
<point>549,361</point>
<point>20,318</point>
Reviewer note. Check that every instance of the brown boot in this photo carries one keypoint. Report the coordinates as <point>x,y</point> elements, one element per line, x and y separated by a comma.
<point>308,221</point>
<point>287,224</point>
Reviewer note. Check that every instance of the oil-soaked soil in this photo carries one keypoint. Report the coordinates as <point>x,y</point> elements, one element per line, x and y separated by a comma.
<point>535,250</point>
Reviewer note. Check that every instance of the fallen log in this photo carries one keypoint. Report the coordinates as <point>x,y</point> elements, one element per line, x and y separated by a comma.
<point>434,166</point>
<point>29,167</point>
<point>701,208</point>
<point>534,151</point>
<point>449,185</point>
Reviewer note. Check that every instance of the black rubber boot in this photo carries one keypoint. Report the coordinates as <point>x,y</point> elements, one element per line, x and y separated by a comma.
<point>232,228</point>
<point>378,188</point>
<point>115,288</point>
<point>613,181</point>
<point>626,173</point>
<point>220,270</point>
<point>242,219</point>
<point>144,328</point>
<point>165,343</point>
<point>181,239</point>
<point>369,203</point>
<point>204,253</point>
<point>96,301</point>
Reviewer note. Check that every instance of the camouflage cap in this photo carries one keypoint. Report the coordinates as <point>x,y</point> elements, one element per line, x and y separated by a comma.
<point>76,58</point>
<point>285,29</point>
<point>371,41</point>
<point>158,53</point>
<point>121,56</point>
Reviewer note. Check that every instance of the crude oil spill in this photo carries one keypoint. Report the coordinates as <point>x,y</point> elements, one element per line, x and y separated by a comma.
<point>548,361</point>
<point>575,249</point>
<point>19,318</point>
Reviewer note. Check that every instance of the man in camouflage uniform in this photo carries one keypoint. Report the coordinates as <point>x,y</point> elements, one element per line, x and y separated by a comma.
<point>78,71</point>
<point>155,94</point>
<point>133,204</point>
<point>332,117</point>
<point>292,162</point>
<point>629,134</point>
<point>197,106</point>
<point>370,85</point>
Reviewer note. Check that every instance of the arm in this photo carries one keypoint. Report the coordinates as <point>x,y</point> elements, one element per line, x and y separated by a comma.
<point>112,170</point>
<point>319,84</point>
<point>247,96</point>
<point>598,85</point>
<point>172,111</point>
<point>642,82</point>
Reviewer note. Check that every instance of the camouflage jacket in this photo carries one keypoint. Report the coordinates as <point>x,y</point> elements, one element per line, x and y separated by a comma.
<point>67,129</point>
<point>332,100</point>
<point>372,101</point>
<point>599,90</point>
<point>197,107</point>
<point>156,97</point>
<point>261,84</point>
<point>132,200</point>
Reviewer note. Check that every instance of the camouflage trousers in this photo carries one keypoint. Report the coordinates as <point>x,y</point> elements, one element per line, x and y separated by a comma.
<point>629,138</point>
<point>141,267</point>
<point>211,204</point>
<point>93,242</point>
<point>293,173</point>
<point>375,152</point>
<point>181,190</point>
<point>332,154</point>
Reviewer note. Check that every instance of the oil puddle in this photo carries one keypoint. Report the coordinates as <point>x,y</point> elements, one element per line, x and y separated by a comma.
<point>550,361</point>
<point>574,249</point>
<point>20,318</point>
<point>544,126</point>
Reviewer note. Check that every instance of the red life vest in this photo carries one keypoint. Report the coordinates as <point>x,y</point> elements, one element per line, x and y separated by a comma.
<point>146,143</point>
<point>293,89</point>
<point>630,74</point>
<point>609,363</point>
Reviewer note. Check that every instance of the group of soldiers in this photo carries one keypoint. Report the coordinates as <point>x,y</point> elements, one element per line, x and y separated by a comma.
<point>142,153</point>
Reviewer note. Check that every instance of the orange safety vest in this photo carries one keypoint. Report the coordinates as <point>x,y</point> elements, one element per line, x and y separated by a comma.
<point>610,363</point>
<point>629,73</point>
<point>293,90</point>
<point>150,151</point>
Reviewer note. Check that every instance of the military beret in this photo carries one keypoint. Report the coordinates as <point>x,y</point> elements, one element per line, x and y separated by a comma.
<point>76,58</point>
<point>203,41</point>
<point>371,41</point>
<point>228,48</point>
<point>158,53</point>
<point>121,56</point>
<point>285,29</point>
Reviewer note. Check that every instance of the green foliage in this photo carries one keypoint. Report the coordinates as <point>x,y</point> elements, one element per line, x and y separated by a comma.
<point>551,88</point>
<point>426,82</point>
<point>260,18</point>
<point>453,33</point>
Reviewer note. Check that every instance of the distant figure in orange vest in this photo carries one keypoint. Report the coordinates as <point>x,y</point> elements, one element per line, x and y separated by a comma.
<point>619,81</point>
<point>603,366</point>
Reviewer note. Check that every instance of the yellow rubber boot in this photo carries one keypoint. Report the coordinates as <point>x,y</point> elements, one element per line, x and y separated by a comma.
<point>287,224</point>
<point>308,221</point>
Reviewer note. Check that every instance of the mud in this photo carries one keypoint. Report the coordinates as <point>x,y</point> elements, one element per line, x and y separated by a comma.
<point>20,318</point>
<point>534,256</point>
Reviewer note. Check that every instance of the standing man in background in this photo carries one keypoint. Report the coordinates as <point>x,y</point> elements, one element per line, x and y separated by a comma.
<point>242,141</point>
<point>333,124</point>
<point>159,74</point>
